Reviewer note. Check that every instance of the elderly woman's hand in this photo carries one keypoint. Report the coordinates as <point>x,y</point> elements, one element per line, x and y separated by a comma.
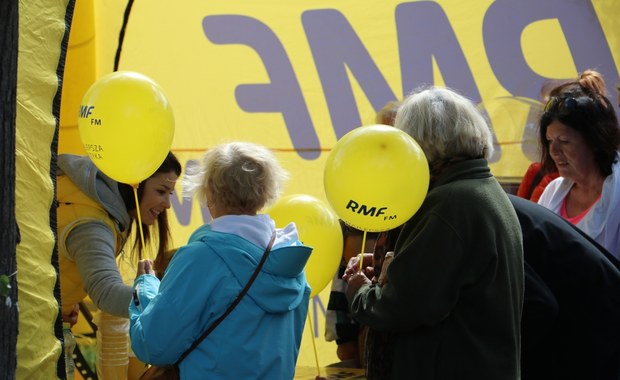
<point>353,266</point>
<point>354,283</point>
<point>145,267</point>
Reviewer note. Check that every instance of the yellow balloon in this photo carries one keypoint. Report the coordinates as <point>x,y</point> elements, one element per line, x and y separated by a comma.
<point>126,125</point>
<point>376,177</point>
<point>319,228</point>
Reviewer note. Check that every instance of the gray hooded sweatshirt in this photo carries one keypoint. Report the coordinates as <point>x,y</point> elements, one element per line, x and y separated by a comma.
<point>92,244</point>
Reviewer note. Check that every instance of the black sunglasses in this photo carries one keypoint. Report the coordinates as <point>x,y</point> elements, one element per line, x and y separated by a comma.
<point>560,104</point>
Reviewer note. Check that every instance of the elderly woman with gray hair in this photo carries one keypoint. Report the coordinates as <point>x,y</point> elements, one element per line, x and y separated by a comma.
<point>454,292</point>
<point>207,278</point>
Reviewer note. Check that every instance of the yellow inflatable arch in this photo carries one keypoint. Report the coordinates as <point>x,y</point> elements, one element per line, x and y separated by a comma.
<point>294,76</point>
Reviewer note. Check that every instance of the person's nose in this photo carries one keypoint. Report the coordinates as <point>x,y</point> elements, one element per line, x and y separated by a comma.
<point>554,148</point>
<point>166,202</point>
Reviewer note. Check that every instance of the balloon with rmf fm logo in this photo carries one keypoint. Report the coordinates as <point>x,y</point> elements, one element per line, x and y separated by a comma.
<point>376,177</point>
<point>126,125</point>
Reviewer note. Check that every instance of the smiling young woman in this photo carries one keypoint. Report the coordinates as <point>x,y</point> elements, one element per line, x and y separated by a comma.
<point>95,217</point>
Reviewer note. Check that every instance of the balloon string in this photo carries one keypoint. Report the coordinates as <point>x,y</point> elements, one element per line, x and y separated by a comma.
<point>316,356</point>
<point>362,253</point>
<point>135,193</point>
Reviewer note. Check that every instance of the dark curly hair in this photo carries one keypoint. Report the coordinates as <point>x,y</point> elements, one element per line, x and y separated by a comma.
<point>583,106</point>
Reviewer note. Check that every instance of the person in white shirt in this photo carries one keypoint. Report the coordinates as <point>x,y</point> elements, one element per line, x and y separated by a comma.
<point>580,137</point>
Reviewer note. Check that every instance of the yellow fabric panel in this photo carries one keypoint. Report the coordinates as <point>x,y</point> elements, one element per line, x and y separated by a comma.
<point>79,74</point>
<point>42,28</point>
<point>38,349</point>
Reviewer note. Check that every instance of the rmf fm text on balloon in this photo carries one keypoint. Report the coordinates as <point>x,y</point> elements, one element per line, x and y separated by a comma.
<point>368,210</point>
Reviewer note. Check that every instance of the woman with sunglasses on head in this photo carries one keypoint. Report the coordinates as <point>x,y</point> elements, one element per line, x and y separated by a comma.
<point>95,218</point>
<point>579,137</point>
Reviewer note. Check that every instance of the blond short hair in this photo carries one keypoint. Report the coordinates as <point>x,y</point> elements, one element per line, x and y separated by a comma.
<point>240,176</point>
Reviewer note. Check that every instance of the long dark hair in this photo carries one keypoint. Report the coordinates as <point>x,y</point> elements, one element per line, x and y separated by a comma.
<point>170,164</point>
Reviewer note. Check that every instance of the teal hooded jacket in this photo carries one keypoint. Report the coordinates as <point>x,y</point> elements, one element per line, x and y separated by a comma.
<point>259,339</point>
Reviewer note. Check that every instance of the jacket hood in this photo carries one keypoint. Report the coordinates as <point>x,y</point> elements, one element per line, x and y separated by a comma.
<point>281,284</point>
<point>96,185</point>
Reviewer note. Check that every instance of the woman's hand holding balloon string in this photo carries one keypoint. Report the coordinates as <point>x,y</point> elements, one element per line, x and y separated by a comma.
<point>354,283</point>
<point>354,266</point>
<point>145,267</point>
<point>355,277</point>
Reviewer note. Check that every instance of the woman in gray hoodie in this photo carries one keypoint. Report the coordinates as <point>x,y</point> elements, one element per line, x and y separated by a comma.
<point>95,217</point>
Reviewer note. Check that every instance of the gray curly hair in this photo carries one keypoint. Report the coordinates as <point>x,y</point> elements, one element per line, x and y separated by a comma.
<point>447,125</point>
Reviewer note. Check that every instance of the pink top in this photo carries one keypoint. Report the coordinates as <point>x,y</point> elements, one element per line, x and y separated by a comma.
<point>577,218</point>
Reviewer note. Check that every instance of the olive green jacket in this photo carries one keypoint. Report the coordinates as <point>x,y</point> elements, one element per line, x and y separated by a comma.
<point>454,295</point>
